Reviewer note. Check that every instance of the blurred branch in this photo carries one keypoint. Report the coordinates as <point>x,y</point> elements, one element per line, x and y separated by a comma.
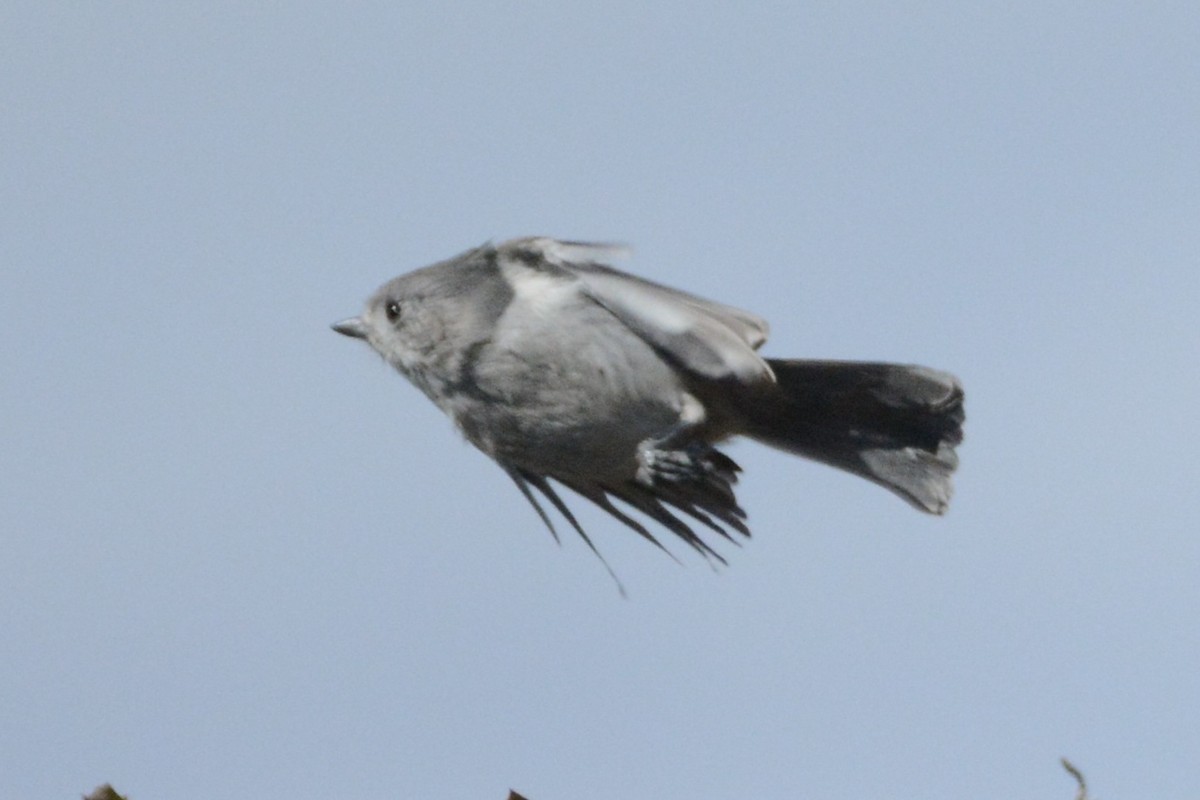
<point>106,792</point>
<point>1082,794</point>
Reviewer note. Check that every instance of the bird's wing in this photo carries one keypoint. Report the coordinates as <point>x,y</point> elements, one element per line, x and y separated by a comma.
<point>709,339</point>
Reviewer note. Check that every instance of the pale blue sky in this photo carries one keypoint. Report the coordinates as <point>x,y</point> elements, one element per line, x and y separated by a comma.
<point>243,559</point>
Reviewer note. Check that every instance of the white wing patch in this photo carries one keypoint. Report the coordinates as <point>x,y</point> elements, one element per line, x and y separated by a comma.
<point>543,293</point>
<point>710,339</point>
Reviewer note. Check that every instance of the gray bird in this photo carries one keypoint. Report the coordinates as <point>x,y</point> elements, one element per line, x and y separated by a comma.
<point>561,367</point>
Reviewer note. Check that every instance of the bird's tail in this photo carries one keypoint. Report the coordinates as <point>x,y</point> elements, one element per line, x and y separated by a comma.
<point>896,425</point>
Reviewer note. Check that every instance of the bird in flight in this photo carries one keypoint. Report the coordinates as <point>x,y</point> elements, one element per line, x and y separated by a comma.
<point>565,370</point>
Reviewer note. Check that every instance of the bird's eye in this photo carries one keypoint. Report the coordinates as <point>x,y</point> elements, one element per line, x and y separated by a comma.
<point>392,309</point>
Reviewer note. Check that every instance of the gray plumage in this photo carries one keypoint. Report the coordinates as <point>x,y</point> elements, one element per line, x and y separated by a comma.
<point>562,368</point>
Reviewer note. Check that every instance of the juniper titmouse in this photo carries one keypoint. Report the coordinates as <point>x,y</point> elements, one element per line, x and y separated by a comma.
<point>560,367</point>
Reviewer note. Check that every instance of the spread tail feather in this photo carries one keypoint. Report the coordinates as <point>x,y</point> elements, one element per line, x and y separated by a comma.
<point>896,425</point>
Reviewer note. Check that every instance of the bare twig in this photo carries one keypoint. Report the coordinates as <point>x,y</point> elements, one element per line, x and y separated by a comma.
<point>1082,794</point>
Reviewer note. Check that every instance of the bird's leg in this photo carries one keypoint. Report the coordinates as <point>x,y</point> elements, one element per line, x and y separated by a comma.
<point>679,457</point>
<point>695,462</point>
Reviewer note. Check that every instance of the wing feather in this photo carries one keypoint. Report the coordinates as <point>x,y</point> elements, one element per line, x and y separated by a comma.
<point>709,339</point>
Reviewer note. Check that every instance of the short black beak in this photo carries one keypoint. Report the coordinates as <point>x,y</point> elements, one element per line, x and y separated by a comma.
<point>352,327</point>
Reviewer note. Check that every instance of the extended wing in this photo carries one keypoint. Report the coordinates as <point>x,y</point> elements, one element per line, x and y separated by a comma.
<point>709,339</point>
